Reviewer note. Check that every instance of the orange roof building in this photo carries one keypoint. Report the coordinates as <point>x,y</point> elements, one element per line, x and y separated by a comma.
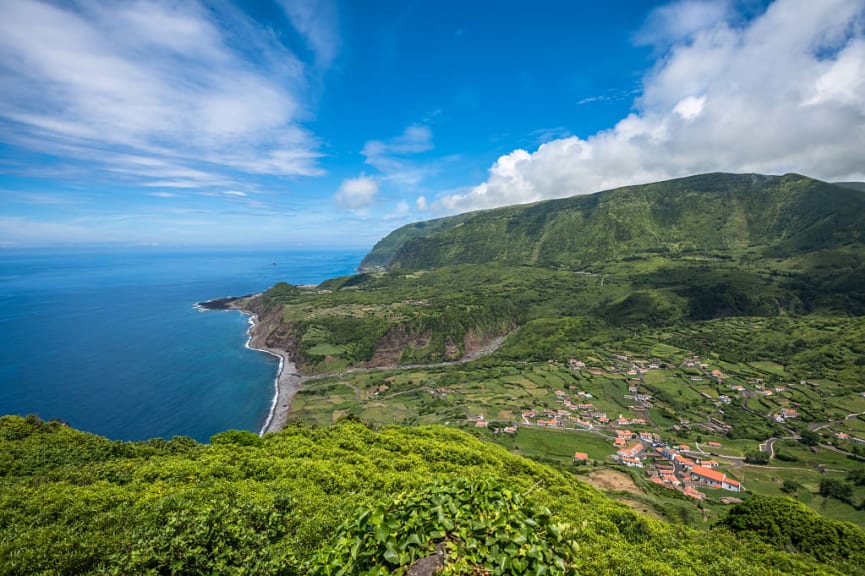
<point>715,479</point>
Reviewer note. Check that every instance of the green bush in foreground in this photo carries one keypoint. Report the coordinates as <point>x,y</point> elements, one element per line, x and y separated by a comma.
<point>483,527</point>
<point>73,503</point>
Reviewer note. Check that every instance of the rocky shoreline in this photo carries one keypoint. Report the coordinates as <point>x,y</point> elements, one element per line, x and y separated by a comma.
<point>287,381</point>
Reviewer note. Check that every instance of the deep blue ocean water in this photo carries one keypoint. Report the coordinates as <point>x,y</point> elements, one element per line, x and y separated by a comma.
<point>110,341</point>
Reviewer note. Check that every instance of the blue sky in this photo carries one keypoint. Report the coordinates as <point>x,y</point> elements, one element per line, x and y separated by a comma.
<point>322,123</point>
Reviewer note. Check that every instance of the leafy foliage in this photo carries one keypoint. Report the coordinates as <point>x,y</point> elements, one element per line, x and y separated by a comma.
<point>176,507</point>
<point>757,457</point>
<point>485,526</point>
<point>790,525</point>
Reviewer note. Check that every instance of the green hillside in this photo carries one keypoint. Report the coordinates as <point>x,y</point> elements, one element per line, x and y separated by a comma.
<point>726,215</point>
<point>348,499</point>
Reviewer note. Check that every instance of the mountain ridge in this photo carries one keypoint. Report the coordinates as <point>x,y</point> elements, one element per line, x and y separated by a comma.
<point>727,215</point>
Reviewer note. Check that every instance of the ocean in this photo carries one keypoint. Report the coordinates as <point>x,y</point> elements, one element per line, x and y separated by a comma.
<point>111,343</point>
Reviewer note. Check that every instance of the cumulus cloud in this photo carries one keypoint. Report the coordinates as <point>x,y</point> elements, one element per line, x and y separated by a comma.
<point>421,203</point>
<point>783,92</point>
<point>356,193</point>
<point>179,94</point>
<point>392,157</point>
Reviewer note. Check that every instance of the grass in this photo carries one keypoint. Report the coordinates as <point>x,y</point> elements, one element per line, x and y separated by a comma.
<point>538,443</point>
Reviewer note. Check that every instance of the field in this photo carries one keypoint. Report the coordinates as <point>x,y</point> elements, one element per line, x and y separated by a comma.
<point>688,395</point>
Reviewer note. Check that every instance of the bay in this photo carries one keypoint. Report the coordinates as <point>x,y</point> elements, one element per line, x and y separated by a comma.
<point>110,341</point>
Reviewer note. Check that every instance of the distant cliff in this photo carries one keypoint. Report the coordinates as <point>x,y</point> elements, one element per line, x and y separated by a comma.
<point>729,215</point>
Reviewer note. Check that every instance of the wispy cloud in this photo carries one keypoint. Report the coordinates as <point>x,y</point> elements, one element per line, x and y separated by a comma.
<point>784,92</point>
<point>316,21</point>
<point>679,21</point>
<point>159,91</point>
<point>393,158</point>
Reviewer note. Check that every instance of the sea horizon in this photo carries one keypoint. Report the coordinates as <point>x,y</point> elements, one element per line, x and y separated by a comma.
<point>110,341</point>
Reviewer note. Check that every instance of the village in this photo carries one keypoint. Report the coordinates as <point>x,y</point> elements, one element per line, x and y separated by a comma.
<point>673,465</point>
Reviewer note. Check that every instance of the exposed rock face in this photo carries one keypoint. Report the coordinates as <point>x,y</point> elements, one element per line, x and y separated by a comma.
<point>474,342</point>
<point>271,331</point>
<point>388,349</point>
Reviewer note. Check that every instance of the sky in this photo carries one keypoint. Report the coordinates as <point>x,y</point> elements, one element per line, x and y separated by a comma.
<point>319,123</point>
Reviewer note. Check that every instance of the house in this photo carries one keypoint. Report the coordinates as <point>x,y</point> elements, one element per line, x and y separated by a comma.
<point>684,447</point>
<point>632,462</point>
<point>619,442</point>
<point>626,434</point>
<point>671,479</point>
<point>550,423</point>
<point>647,437</point>
<point>693,493</point>
<point>789,413</point>
<point>685,463</point>
<point>561,394</point>
<point>708,463</point>
<point>630,451</point>
<point>715,479</point>
<point>714,444</point>
<point>842,436</point>
<point>576,364</point>
<point>581,457</point>
<point>510,429</point>
<point>481,424</point>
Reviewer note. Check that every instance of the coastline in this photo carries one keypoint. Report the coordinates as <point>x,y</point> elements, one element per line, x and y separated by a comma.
<point>287,381</point>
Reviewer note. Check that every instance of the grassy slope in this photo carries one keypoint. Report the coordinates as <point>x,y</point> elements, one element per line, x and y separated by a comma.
<point>74,503</point>
<point>722,214</point>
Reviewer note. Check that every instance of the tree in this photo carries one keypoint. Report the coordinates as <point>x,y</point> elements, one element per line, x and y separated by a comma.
<point>857,476</point>
<point>837,489</point>
<point>790,487</point>
<point>809,438</point>
<point>757,457</point>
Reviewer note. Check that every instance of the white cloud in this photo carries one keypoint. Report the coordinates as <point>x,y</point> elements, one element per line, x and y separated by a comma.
<point>678,21</point>
<point>690,107</point>
<point>421,203</point>
<point>163,194</point>
<point>786,92</point>
<point>178,86</point>
<point>392,157</point>
<point>356,193</point>
<point>316,21</point>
